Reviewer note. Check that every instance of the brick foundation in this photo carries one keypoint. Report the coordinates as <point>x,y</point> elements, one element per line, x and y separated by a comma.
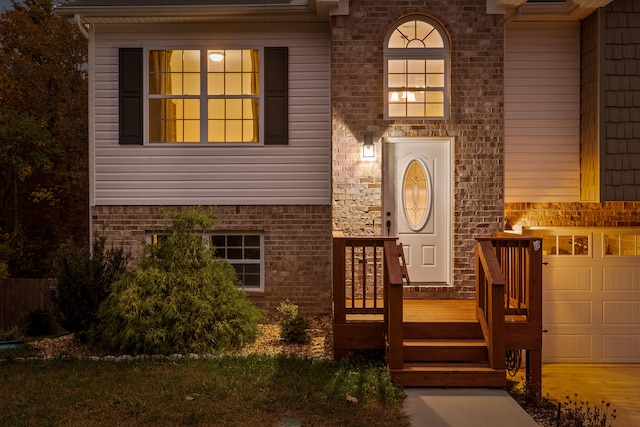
<point>297,242</point>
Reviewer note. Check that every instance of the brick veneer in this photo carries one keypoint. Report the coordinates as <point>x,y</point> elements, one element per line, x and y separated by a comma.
<point>297,246</point>
<point>608,214</point>
<point>476,121</point>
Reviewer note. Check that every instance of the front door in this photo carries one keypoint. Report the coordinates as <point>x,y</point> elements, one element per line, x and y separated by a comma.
<point>417,205</point>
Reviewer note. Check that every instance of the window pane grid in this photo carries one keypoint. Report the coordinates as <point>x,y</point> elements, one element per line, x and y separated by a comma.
<point>244,252</point>
<point>230,85</point>
<point>622,245</point>
<point>417,54</point>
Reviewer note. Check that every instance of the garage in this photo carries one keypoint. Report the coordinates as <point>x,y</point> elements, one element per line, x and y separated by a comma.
<point>591,295</point>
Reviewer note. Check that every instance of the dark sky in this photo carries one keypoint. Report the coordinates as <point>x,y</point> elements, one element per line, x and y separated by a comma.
<point>4,4</point>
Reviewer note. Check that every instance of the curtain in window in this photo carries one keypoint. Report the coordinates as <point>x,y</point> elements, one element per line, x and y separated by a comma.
<point>162,112</point>
<point>255,66</point>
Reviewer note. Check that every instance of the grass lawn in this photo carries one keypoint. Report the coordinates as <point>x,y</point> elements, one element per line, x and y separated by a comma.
<point>250,391</point>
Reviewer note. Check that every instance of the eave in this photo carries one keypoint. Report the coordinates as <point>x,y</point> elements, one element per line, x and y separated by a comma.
<point>293,11</point>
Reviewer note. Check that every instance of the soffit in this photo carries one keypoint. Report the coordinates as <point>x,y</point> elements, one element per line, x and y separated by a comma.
<point>173,11</point>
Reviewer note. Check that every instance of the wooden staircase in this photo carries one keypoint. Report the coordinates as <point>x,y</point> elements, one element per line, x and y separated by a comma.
<point>446,354</point>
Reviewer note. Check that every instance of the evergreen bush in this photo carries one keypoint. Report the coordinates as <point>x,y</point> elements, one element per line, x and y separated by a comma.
<point>293,326</point>
<point>181,298</point>
<point>83,280</point>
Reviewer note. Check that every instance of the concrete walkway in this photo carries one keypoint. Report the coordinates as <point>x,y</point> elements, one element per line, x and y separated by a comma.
<point>464,407</point>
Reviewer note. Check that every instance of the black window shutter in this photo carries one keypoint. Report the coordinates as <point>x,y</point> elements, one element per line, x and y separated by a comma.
<point>130,96</point>
<point>276,128</point>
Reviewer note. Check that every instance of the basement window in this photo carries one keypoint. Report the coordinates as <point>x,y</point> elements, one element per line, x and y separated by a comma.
<point>245,252</point>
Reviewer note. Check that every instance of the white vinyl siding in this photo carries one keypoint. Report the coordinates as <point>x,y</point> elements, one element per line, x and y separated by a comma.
<point>542,112</point>
<point>293,174</point>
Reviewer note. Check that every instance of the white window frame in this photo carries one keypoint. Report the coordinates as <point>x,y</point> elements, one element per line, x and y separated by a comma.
<point>204,97</point>
<point>419,53</point>
<point>259,261</point>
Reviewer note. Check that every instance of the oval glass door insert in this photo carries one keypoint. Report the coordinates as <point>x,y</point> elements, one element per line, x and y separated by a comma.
<point>416,194</point>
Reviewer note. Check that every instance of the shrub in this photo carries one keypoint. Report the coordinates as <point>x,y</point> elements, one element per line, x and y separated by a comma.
<point>181,298</point>
<point>293,326</point>
<point>84,277</point>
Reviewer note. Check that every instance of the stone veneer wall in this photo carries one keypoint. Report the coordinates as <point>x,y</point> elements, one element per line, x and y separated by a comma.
<point>476,121</point>
<point>608,214</point>
<point>297,242</point>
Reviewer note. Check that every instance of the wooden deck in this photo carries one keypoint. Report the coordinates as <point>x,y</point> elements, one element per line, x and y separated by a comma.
<point>441,343</point>
<point>432,311</point>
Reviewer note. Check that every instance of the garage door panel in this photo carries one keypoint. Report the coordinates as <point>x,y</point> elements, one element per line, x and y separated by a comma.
<point>621,348</point>
<point>567,347</point>
<point>625,313</point>
<point>621,278</point>
<point>564,313</point>
<point>568,278</point>
<point>591,299</point>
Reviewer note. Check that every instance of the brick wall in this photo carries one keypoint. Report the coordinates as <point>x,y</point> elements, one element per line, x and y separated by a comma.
<point>608,214</point>
<point>297,246</point>
<point>476,120</point>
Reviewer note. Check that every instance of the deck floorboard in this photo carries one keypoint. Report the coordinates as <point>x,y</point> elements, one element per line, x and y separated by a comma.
<point>428,311</point>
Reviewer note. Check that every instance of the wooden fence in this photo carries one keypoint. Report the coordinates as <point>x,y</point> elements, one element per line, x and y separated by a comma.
<point>24,302</point>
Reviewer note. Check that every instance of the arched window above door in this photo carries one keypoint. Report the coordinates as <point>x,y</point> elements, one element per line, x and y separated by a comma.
<point>417,61</point>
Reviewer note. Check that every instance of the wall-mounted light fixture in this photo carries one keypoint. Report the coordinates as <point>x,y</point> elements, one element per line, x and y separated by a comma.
<point>368,147</point>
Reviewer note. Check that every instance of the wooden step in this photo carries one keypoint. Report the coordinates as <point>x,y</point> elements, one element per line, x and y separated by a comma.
<point>420,350</point>
<point>448,375</point>
<point>442,330</point>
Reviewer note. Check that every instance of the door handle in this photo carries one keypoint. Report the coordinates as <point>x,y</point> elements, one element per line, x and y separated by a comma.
<point>388,224</point>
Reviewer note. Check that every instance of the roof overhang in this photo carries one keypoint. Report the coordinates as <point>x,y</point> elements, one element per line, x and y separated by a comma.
<point>549,10</point>
<point>129,12</point>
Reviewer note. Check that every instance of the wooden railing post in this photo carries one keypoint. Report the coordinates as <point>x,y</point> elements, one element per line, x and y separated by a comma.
<point>534,357</point>
<point>490,306</point>
<point>395,327</point>
<point>339,298</point>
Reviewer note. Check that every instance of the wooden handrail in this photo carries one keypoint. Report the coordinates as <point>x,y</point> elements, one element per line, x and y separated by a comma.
<point>489,302</point>
<point>395,272</point>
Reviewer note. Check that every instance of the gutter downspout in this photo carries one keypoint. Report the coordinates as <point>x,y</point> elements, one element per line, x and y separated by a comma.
<point>80,25</point>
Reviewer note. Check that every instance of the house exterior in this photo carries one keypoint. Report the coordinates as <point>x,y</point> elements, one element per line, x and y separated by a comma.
<point>434,121</point>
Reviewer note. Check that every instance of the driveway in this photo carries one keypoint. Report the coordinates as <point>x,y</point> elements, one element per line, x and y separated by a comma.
<point>618,384</point>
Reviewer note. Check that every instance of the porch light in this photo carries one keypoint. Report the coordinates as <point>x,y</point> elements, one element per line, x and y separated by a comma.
<point>368,147</point>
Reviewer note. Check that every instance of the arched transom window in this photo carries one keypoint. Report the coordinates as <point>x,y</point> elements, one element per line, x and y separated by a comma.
<point>417,57</point>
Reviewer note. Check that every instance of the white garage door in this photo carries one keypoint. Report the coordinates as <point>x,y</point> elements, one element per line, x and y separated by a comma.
<point>591,294</point>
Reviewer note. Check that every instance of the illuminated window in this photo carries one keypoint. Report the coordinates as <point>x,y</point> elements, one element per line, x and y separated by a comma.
<point>416,64</point>
<point>577,245</point>
<point>622,244</point>
<point>204,96</point>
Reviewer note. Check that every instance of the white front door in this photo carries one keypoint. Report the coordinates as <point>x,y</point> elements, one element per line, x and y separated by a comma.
<point>417,205</point>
